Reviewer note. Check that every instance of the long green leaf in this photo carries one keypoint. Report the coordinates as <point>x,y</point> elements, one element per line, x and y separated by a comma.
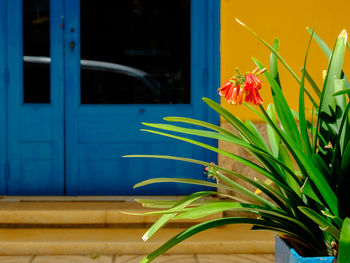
<point>198,132</point>
<point>262,155</point>
<point>184,181</point>
<point>344,244</point>
<point>200,123</point>
<point>337,220</point>
<point>305,163</point>
<point>282,108</point>
<point>204,133</point>
<point>328,101</point>
<point>233,187</point>
<point>165,218</point>
<point>271,49</point>
<point>299,156</point>
<point>234,121</point>
<point>162,204</point>
<point>335,72</point>
<point>343,179</point>
<point>290,180</point>
<point>214,208</point>
<point>207,225</point>
<point>273,61</point>
<point>262,117</point>
<point>248,193</point>
<point>274,51</point>
<point>189,205</point>
<point>345,164</point>
<point>321,221</point>
<point>255,140</point>
<point>309,191</point>
<point>321,165</point>
<point>326,50</point>
<point>220,130</point>
<point>302,118</point>
<point>340,144</point>
<point>230,118</point>
<point>344,129</point>
<point>268,190</point>
<point>312,82</point>
<point>272,136</point>
<point>270,161</point>
<point>321,43</point>
<point>210,209</point>
<point>214,149</point>
<point>250,125</point>
<point>342,92</point>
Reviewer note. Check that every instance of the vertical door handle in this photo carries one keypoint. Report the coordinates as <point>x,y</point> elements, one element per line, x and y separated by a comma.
<point>72,36</point>
<point>72,45</point>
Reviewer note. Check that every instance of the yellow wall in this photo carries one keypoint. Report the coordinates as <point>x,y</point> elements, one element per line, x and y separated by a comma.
<point>287,21</point>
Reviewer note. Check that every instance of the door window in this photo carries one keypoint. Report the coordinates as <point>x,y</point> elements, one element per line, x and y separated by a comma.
<point>147,46</point>
<point>36,51</point>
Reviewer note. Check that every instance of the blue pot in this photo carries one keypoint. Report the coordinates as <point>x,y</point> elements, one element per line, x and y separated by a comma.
<point>285,254</point>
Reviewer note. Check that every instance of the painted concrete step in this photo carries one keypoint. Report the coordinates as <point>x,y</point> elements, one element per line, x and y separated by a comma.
<point>77,213</point>
<point>232,239</point>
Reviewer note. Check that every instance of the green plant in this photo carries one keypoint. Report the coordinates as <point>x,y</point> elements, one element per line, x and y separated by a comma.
<point>305,160</point>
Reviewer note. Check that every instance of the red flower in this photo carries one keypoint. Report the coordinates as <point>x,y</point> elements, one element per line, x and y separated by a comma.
<point>253,97</point>
<point>252,81</point>
<point>240,96</point>
<point>224,89</point>
<point>252,84</point>
<point>241,87</point>
<point>212,171</point>
<point>232,91</point>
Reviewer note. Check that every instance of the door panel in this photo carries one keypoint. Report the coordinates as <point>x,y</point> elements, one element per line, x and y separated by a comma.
<point>99,134</point>
<point>121,174</point>
<point>35,108</point>
<point>105,135</point>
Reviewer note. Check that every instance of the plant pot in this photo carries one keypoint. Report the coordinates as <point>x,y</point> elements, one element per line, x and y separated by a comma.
<point>286,254</point>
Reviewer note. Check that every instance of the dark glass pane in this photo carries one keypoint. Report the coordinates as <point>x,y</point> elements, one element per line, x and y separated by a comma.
<point>147,45</point>
<point>36,51</point>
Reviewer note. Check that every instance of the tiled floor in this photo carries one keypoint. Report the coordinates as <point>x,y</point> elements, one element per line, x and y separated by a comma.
<point>236,258</point>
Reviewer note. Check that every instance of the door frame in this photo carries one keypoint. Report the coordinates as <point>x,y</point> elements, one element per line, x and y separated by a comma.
<point>3,97</point>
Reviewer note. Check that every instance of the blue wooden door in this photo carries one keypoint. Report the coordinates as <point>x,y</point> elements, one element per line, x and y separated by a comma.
<point>68,138</point>
<point>35,134</point>
<point>98,134</point>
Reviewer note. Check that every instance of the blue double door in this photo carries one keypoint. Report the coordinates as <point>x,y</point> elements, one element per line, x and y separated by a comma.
<point>74,111</point>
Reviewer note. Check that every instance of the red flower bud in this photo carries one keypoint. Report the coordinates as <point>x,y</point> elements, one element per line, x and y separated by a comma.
<point>238,88</point>
<point>230,91</point>
<point>240,96</point>
<point>252,82</point>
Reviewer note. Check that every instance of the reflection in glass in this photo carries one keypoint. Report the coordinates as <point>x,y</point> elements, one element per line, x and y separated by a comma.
<point>147,45</point>
<point>36,43</point>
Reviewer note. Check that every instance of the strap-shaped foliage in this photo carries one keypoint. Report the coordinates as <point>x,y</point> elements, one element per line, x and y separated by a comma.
<point>344,244</point>
<point>305,163</point>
